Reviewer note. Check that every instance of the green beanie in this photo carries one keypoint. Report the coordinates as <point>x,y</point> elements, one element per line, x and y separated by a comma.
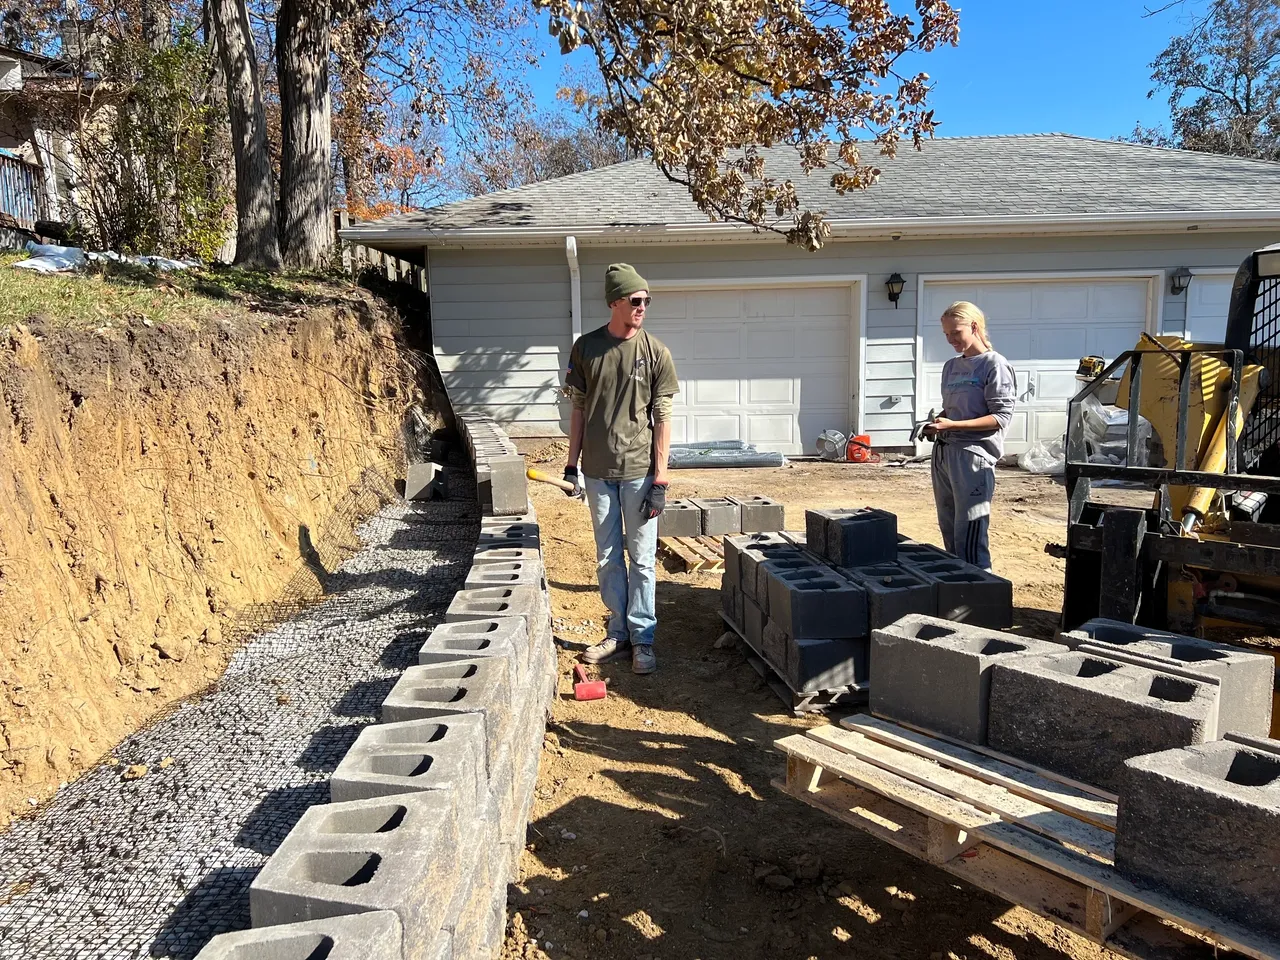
<point>621,280</point>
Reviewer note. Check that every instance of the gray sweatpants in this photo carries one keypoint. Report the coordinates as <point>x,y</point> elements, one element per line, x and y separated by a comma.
<point>963,484</point>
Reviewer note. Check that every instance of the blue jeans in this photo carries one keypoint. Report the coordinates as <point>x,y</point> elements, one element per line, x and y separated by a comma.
<point>627,594</point>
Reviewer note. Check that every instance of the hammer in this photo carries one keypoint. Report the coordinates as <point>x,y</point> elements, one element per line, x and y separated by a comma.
<point>585,689</point>
<point>541,477</point>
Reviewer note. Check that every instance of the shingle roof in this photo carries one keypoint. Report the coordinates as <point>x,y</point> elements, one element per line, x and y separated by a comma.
<point>1041,175</point>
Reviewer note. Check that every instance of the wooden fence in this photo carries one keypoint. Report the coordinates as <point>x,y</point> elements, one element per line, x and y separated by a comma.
<point>357,258</point>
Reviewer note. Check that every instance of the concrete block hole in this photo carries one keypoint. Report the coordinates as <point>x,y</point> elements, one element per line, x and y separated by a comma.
<point>1193,653</point>
<point>931,631</point>
<point>305,946</point>
<point>401,764</point>
<point>337,868</point>
<point>390,734</point>
<point>371,820</point>
<point>1171,690</point>
<point>438,694</point>
<point>993,646</point>
<point>1084,667</point>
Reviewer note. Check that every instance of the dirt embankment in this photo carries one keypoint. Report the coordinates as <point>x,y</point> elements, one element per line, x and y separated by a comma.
<point>157,482</point>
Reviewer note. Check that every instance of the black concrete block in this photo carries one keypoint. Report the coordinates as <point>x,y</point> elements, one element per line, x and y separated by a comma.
<point>826,664</point>
<point>893,592</point>
<point>968,594</point>
<point>825,606</point>
<point>749,561</point>
<point>787,559</point>
<point>734,546</point>
<point>776,643</point>
<point>861,537</point>
<point>753,624</point>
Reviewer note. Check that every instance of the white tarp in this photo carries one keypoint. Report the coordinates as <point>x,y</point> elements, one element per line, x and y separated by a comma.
<point>51,258</point>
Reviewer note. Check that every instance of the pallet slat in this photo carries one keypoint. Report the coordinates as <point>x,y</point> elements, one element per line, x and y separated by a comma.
<point>1015,779</point>
<point>698,554</point>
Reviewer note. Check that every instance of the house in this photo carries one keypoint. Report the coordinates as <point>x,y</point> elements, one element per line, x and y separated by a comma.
<point>1072,246</point>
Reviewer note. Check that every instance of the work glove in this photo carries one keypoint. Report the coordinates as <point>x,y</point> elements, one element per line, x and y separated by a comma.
<point>655,502</point>
<point>571,476</point>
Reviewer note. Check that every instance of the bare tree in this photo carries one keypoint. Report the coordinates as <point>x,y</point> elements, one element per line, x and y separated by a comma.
<point>540,148</point>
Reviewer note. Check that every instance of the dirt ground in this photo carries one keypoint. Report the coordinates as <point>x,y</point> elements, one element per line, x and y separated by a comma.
<point>656,832</point>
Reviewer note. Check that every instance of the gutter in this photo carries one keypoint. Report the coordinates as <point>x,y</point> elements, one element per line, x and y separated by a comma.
<point>575,286</point>
<point>887,228</point>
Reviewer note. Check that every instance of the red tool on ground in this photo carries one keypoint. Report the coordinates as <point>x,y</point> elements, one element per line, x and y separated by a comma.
<point>585,689</point>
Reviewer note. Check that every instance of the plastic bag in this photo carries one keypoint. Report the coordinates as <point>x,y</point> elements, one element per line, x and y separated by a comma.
<point>1044,456</point>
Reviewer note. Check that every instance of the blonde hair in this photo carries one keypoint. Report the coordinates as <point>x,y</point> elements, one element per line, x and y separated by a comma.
<point>967,312</point>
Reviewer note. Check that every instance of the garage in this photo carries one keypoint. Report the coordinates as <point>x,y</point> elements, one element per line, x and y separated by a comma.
<point>1043,327</point>
<point>769,365</point>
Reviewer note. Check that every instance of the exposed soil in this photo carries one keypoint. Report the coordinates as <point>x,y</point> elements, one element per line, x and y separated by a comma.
<point>160,480</point>
<point>680,847</point>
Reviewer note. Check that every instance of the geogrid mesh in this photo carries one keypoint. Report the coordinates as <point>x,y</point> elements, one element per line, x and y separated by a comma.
<point>155,867</point>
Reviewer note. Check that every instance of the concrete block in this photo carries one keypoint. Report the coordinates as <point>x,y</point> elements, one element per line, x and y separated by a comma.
<point>445,689</point>
<point>367,936</point>
<point>815,664</point>
<point>502,637</point>
<point>500,528</point>
<point>910,551</point>
<point>784,560</point>
<point>760,514</point>
<point>497,541</point>
<point>422,481</point>
<point>681,518</point>
<point>528,516</point>
<point>893,592</point>
<point>729,602</point>
<point>813,604</point>
<point>749,561</point>
<point>486,603</point>
<point>1247,677</point>
<point>387,759</point>
<point>733,547</point>
<point>512,573</point>
<point>937,674</point>
<point>753,624</point>
<point>798,538</point>
<point>393,853</point>
<point>1083,716</point>
<point>720,516</point>
<point>502,553</point>
<point>776,643</point>
<point>860,538</point>
<point>967,594</point>
<point>1203,824</point>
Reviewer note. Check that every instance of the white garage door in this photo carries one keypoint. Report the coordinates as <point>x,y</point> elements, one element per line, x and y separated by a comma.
<point>769,366</point>
<point>1208,299</point>
<point>1043,328</point>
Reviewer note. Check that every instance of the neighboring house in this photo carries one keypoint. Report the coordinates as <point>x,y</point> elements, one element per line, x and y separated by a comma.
<point>1070,245</point>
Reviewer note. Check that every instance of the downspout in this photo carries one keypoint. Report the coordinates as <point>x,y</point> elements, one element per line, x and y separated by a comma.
<point>575,285</point>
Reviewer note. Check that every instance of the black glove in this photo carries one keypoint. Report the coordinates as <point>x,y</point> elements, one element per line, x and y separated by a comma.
<point>655,502</point>
<point>571,476</point>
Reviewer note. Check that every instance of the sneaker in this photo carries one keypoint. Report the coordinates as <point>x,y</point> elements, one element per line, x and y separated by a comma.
<point>642,659</point>
<point>606,649</point>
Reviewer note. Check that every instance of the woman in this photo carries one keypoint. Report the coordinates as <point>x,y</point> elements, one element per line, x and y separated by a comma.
<point>978,392</point>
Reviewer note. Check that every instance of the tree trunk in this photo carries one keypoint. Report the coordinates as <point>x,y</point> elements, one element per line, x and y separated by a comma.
<point>157,24</point>
<point>306,179</point>
<point>256,242</point>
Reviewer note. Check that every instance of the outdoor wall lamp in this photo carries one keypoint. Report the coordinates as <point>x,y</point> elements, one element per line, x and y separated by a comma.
<point>894,285</point>
<point>1179,280</point>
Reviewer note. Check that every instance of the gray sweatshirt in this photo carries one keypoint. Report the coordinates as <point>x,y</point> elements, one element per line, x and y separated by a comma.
<point>973,387</point>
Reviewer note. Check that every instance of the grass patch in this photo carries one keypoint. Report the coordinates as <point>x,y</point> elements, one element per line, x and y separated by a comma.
<point>108,292</point>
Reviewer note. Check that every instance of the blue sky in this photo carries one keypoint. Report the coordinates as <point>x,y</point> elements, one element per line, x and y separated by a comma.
<point>1032,66</point>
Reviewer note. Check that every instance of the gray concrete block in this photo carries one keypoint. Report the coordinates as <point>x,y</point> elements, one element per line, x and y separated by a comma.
<point>798,538</point>
<point>447,753</point>
<point>393,853</point>
<point>911,551</point>
<point>512,573</point>
<point>729,603</point>
<point>968,594</point>
<point>820,606</point>
<point>893,592</point>
<point>815,664</point>
<point>422,481</point>
<point>784,560</point>
<point>435,690</point>
<point>681,518</point>
<point>488,552</point>
<point>815,529</point>
<point>936,674</point>
<point>860,538</point>
<point>749,561</point>
<point>720,516</point>
<point>502,637</point>
<point>487,603</point>
<point>500,528</point>
<point>776,643</point>
<point>1203,824</point>
<point>753,624</point>
<point>734,546</point>
<point>497,541</point>
<point>760,514</point>
<point>367,936</point>
<point>1083,716</point>
<point>1247,676</point>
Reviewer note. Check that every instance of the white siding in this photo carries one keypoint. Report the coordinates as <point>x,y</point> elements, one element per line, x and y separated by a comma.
<point>505,313</point>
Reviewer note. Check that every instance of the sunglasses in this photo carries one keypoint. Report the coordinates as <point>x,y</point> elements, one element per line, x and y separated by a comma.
<point>640,301</point>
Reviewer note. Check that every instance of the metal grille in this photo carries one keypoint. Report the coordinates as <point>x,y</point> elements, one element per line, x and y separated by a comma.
<point>1262,427</point>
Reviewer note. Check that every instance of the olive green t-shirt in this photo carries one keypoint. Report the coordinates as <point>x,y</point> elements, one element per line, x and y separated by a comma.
<point>621,380</point>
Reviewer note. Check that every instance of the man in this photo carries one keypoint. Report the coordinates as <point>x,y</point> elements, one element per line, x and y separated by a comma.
<point>621,381</point>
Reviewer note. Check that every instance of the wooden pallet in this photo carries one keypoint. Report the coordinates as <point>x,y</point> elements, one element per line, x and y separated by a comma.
<point>698,554</point>
<point>1042,844</point>
<point>817,701</point>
